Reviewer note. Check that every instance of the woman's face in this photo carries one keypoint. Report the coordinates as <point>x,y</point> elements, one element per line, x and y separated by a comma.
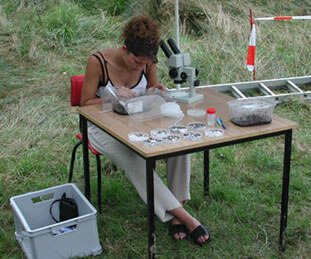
<point>136,63</point>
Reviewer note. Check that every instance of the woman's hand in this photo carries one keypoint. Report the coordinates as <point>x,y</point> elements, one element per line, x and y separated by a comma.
<point>125,93</point>
<point>156,87</point>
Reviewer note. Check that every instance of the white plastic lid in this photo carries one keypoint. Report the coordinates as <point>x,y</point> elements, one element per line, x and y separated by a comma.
<point>159,133</point>
<point>152,142</point>
<point>196,126</point>
<point>138,136</point>
<point>214,133</point>
<point>171,139</point>
<point>178,129</point>
<point>193,136</point>
<point>196,112</point>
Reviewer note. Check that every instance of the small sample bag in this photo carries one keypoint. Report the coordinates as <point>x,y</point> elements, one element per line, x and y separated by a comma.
<point>68,208</point>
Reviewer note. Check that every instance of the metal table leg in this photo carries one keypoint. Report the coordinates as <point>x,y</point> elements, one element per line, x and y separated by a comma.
<point>206,171</point>
<point>150,204</point>
<point>85,158</point>
<point>285,185</point>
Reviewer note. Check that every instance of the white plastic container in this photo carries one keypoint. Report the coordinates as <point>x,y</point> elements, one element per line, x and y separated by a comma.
<point>39,235</point>
<point>211,116</point>
<point>251,111</point>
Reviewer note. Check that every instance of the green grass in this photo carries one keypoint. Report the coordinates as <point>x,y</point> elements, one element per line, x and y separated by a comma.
<point>43,43</point>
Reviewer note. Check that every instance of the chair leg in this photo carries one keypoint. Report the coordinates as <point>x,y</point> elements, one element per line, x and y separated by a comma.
<point>114,167</point>
<point>73,156</point>
<point>99,184</point>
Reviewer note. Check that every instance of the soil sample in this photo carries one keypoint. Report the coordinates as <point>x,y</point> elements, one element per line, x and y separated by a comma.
<point>118,108</point>
<point>251,119</point>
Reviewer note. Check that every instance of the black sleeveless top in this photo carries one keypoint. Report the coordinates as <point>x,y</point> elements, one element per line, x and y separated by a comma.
<point>141,84</point>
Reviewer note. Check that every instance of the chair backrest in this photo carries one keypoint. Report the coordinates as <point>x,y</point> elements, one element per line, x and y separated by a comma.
<point>76,88</point>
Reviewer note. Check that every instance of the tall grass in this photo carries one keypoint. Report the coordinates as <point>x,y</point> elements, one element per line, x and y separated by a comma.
<point>43,43</point>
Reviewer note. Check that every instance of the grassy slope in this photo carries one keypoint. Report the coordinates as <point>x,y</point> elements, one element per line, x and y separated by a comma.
<point>39,53</point>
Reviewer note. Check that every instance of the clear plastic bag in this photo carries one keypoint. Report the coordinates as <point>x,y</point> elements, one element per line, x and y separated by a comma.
<point>144,107</point>
<point>112,100</point>
<point>140,108</point>
<point>107,95</point>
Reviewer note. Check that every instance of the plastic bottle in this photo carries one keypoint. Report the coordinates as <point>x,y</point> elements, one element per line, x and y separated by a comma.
<point>211,116</point>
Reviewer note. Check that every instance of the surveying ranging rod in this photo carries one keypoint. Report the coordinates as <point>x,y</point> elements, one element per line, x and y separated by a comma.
<point>250,62</point>
<point>181,72</point>
<point>306,17</point>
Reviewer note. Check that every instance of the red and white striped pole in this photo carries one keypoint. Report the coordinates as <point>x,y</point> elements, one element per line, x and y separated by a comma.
<point>306,17</point>
<point>252,47</point>
<point>252,40</point>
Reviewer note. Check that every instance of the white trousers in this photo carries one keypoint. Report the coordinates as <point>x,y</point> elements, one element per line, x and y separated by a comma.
<point>166,198</point>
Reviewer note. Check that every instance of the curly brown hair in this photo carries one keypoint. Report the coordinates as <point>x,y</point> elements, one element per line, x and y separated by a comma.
<point>141,36</point>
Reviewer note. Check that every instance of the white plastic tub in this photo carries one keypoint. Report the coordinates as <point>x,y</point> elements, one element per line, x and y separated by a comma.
<point>39,235</point>
<point>251,112</point>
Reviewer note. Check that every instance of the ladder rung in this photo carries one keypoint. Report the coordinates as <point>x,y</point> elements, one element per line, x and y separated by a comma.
<point>236,91</point>
<point>266,90</point>
<point>293,87</point>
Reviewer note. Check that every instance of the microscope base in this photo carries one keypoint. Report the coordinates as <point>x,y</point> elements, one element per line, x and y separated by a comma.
<point>183,96</point>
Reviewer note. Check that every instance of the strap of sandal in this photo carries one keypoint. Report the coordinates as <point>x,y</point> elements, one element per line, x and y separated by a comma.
<point>179,228</point>
<point>198,231</point>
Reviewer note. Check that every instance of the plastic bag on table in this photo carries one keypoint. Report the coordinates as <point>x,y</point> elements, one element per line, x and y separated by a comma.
<point>145,107</point>
<point>112,100</point>
<point>150,107</point>
<point>106,97</point>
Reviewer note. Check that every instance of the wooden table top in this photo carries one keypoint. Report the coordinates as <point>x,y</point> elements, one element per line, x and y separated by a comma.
<point>120,126</point>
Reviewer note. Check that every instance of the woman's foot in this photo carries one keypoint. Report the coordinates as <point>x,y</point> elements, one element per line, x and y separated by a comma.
<point>198,232</point>
<point>179,229</point>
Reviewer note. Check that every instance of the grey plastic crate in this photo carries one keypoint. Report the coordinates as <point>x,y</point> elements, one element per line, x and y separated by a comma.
<point>39,235</point>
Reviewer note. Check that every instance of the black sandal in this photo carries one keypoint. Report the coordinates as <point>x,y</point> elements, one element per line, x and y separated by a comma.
<point>179,228</point>
<point>198,232</point>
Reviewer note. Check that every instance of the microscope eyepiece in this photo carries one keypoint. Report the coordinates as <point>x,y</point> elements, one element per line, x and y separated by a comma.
<point>173,46</point>
<point>165,49</point>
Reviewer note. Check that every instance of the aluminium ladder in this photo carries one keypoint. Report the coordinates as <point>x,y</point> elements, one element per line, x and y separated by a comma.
<point>279,90</point>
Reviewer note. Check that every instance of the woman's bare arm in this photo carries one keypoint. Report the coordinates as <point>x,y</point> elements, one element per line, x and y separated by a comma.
<point>90,83</point>
<point>153,81</point>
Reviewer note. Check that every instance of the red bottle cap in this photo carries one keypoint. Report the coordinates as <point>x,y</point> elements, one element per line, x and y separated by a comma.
<point>211,111</point>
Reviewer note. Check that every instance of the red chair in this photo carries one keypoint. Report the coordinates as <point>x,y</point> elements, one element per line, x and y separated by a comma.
<point>76,88</point>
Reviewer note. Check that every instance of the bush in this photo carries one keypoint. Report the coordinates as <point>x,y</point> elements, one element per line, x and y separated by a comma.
<point>112,7</point>
<point>61,24</point>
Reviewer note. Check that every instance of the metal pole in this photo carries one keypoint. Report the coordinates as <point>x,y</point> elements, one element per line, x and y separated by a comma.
<point>87,191</point>
<point>285,187</point>
<point>150,203</point>
<point>177,22</point>
<point>177,30</point>
<point>206,172</point>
